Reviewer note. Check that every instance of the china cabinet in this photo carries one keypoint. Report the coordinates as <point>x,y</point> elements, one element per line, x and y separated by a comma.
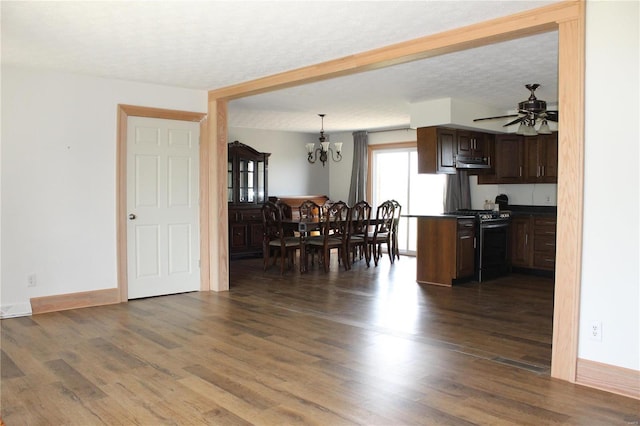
<point>246,193</point>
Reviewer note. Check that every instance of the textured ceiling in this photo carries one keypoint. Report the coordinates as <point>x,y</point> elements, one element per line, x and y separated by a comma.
<point>211,44</point>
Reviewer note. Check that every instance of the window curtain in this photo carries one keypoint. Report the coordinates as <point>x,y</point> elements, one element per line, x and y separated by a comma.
<point>358,187</point>
<point>457,194</point>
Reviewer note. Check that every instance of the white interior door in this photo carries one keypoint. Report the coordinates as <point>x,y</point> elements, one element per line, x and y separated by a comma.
<point>163,248</point>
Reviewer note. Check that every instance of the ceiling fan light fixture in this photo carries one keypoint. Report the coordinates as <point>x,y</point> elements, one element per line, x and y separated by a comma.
<point>529,130</point>
<point>544,128</point>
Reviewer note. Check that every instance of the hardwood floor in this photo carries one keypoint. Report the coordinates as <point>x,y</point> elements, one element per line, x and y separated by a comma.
<point>367,346</point>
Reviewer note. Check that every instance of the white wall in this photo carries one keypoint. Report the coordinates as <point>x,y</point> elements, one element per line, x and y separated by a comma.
<point>611,256</point>
<point>58,179</point>
<point>289,171</point>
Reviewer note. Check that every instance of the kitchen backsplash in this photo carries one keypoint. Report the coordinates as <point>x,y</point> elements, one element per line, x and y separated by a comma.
<point>541,194</point>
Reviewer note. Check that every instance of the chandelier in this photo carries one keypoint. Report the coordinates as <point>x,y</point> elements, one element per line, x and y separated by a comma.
<point>323,151</point>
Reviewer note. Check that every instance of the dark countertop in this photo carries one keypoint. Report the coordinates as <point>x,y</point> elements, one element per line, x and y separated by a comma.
<point>516,210</point>
<point>441,216</point>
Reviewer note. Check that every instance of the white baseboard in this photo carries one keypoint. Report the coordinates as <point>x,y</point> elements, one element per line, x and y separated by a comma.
<point>15,310</point>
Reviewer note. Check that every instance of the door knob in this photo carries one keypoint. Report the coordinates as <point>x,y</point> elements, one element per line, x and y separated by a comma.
<point>132,216</point>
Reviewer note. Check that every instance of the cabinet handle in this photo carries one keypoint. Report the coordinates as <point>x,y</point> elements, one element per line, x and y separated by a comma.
<point>520,171</point>
<point>550,244</point>
<point>542,168</point>
<point>526,239</point>
<point>474,242</point>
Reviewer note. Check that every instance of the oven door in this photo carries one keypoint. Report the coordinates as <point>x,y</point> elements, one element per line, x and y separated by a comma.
<point>493,250</point>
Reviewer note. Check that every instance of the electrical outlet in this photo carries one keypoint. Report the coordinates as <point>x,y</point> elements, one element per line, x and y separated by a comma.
<point>548,199</point>
<point>596,331</point>
<point>31,280</point>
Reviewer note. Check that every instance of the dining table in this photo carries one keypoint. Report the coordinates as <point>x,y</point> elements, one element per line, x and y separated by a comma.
<point>304,226</point>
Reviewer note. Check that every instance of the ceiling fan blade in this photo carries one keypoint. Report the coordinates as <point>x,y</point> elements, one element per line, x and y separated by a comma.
<point>517,120</point>
<point>494,118</point>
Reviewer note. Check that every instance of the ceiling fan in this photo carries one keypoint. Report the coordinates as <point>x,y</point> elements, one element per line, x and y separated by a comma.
<point>529,112</point>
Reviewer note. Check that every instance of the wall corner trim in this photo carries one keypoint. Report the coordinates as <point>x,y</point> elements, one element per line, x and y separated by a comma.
<point>85,299</point>
<point>609,378</point>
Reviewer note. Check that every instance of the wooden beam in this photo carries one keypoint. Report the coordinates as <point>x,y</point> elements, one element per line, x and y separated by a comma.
<point>571,63</point>
<point>219,214</point>
<point>506,28</point>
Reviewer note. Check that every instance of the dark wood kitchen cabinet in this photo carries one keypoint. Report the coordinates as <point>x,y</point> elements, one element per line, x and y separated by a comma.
<point>533,242</point>
<point>437,149</point>
<point>520,249</point>
<point>544,243</point>
<point>508,161</point>
<point>519,159</point>
<point>445,250</point>
<point>466,249</point>
<point>542,158</point>
<point>246,193</point>
<point>471,144</point>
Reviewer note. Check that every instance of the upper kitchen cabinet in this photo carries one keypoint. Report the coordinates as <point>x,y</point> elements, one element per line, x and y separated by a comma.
<point>508,161</point>
<point>542,158</point>
<point>443,150</point>
<point>437,149</point>
<point>471,144</point>
<point>520,159</point>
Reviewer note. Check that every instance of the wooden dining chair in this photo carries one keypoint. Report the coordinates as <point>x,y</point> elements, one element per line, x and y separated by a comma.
<point>334,234</point>
<point>275,242</point>
<point>397,209</point>
<point>286,213</point>
<point>381,233</point>
<point>360,217</point>
<point>309,209</point>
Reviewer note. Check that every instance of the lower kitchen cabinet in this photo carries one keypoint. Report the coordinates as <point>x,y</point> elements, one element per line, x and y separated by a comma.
<point>544,243</point>
<point>520,249</point>
<point>445,250</point>
<point>533,242</point>
<point>466,250</point>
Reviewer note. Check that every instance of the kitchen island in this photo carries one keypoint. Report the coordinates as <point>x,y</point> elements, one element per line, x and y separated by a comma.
<point>445,250</point>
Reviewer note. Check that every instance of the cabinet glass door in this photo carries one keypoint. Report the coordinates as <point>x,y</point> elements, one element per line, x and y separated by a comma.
<point>247,179</point>
<point>261,183</point>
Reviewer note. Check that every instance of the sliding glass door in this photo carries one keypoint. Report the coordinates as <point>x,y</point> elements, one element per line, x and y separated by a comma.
<point>394,176</point>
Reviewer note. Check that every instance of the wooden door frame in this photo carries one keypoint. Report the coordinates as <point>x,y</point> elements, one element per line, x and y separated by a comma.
<point>568,18</point>
<point>124,112</point>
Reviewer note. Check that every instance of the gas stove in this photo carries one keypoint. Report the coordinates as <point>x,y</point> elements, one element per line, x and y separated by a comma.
<point>492,236</point>
<point>486,215</point>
